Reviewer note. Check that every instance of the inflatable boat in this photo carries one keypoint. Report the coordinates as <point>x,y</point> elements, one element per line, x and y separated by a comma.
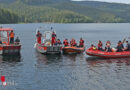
<point>103,54</point>
<point>73,49</point>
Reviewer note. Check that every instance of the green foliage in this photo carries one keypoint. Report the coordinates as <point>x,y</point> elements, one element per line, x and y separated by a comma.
<point>7,16</point>
<point>66,11</point>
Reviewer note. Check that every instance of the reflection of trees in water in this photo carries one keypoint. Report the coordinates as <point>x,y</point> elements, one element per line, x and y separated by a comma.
<point>92,61</point>
<point>48,59</point>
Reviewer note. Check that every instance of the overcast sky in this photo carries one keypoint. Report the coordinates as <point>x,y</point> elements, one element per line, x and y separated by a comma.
<point>118,1</point>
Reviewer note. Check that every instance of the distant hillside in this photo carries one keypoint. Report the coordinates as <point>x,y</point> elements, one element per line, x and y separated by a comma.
<point>7,16</point>
<point>118,9</point>
<point>46,14</point>
<point>66,11</point>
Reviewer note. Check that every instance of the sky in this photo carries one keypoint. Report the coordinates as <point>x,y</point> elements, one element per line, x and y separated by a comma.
<point>117,1</point>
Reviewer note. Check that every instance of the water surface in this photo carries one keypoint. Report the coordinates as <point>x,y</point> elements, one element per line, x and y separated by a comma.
<point>34,71</point>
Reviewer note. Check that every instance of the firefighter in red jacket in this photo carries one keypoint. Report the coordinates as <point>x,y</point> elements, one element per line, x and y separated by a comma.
<point>66,42</point>
<point>73,42</point>
<point>39,36</point>
<point>81,43</point>
<point>53,40</point>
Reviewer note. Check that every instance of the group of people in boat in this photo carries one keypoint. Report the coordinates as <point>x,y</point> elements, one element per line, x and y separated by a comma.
<point>119,48</point>
<point>73,43</point>
<point>55,41</point>
<point>11,38</point>
<point>12,41</point>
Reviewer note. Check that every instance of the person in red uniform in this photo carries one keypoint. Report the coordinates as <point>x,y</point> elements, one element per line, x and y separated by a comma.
<point>66,42</point>
<point>53,40</point>
<point>100,45</point>
<point>39,36</point>
<point>11,37</point>
<point>81,43</point>
<point>73,42</point>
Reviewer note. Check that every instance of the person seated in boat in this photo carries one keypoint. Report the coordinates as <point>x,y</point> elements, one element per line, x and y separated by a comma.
<point>108,43</point>
<point>81,43</point>
<point>119,47</point>
<point>93,47</point>
<point>100,45</point>
<point>121,44</point>
<point>58,42</point>
<point>73,43</point>
<point>65,42</point>
<point>127,48</point>
<point>17,41</point>
<point>11,37</point>
<point>53,40</point>
<point>108,46</point>
<point>39,36</point>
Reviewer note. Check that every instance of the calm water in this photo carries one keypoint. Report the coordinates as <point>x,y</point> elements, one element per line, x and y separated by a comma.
<point>34,71</point>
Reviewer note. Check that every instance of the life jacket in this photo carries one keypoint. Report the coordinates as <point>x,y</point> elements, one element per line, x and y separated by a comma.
<point>65,42</point>
<point>99,44</point>
<point>74,43</point>
<point>93,48</point>
<point>82,42</point>
<point>11,35</point>
<point>39,34</point>
<point>53,35</point>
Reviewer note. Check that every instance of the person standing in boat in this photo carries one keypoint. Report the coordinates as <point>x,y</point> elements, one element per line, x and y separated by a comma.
<point>100,45</point>
<point>39,36</point>
<point>81,43</point>
<point>53,40</point>
<point>65,42</point>
<point>11,37</point>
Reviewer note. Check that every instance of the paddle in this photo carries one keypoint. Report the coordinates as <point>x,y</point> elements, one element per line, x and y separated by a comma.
<point>124,40</point>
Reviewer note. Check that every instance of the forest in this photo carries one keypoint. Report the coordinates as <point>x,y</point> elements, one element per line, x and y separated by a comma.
<point>62,11</point>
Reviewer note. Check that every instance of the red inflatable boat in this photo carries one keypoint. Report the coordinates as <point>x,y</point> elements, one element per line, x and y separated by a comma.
<point>103,54</point>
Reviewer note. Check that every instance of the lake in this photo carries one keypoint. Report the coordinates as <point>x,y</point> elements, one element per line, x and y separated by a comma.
<point>34,71</point>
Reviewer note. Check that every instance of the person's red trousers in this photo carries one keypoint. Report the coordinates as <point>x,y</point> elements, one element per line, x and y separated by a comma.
<point>53,40</point>
<point>39,40</point>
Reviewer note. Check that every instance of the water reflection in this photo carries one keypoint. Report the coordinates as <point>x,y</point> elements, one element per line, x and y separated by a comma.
<point>98,61</point>
<point>47,59</point>
<point>71,57</point>
<point>10,58</point>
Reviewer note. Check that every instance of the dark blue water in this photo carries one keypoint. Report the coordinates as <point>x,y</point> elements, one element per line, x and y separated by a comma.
<point>34,71</point>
